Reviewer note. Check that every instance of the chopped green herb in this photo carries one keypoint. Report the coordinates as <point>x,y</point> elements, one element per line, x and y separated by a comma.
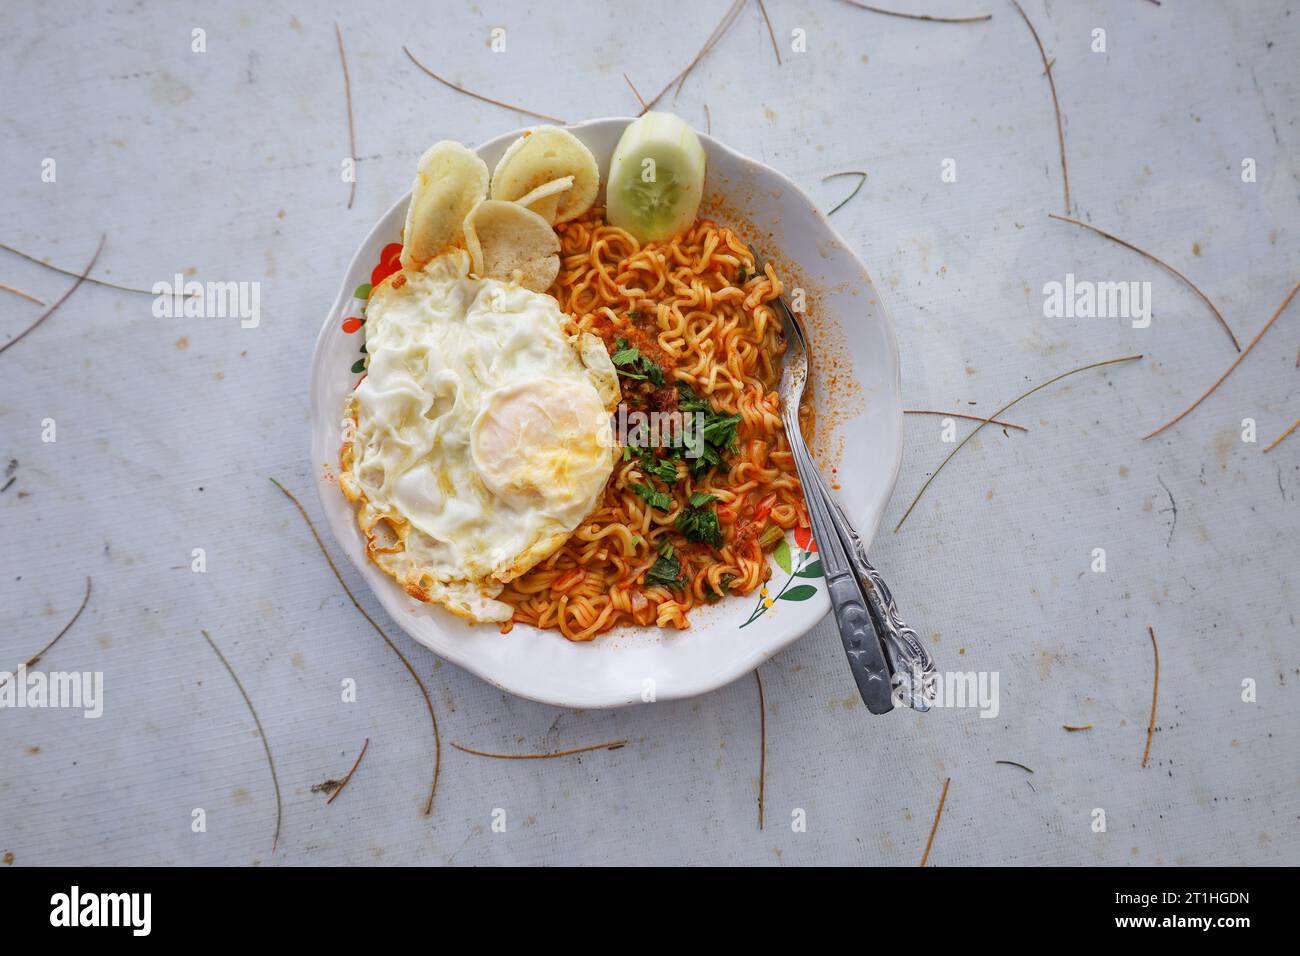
<point>688,401</point>
<point>700,499</point>
<point>665,571</point>
<point>697,524</point>
<point>655,499</point>
<point>708,458</point>
<point>725,581</point>
<point>661,468</point>
<point>720,432</point>
<point>664,470</point>
<point>632,364</point>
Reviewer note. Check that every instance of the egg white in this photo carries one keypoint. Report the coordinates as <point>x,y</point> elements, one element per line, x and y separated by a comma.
<point>480,436</point>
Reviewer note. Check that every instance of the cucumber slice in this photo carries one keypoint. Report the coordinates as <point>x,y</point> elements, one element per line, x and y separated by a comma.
<point>656,178</point>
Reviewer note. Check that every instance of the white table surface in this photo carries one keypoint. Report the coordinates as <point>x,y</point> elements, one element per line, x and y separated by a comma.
<point>226,164</point>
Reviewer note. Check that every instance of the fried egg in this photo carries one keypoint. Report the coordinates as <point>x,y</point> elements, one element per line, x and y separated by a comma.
<point>480,437</point>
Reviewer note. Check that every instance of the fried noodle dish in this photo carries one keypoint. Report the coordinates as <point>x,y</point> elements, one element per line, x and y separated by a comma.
<point>689,326</point>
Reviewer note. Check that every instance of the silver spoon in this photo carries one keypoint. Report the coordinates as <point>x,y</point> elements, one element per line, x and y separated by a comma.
<point>878,643</point>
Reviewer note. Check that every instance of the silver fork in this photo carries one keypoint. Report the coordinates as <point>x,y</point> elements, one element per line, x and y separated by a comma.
<point>878,644</point>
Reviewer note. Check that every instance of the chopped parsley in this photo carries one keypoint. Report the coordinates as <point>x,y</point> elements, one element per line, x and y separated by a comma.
<point>630,363</point>
<point>667,571</point>
<point>625,355</point>
<point>662,468</point>
<point>720,432</point>
<point>698,523</point>
<point>700,449</point>
<point>704,447</point>
<point>688,401</point>
<point>725,581</point>
<point>704,458</point>
<point>655,499</point>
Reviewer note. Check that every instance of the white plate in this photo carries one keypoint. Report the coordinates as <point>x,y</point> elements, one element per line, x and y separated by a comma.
<point>859,433</point>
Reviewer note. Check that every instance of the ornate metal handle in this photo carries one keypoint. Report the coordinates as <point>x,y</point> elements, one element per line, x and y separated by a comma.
<point>907,655</point>
<point>858,632</point>
<point>850,596</point>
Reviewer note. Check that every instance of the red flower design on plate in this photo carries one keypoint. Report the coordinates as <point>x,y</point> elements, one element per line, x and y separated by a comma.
<point>803,537</point>
<point>351,324</point>
<point>389,262</point>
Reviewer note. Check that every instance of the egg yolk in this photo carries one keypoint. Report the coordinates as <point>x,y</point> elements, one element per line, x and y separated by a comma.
<point>541,441</point>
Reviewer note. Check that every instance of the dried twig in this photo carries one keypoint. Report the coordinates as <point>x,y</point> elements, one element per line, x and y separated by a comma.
<point>67,627</point>
<point>424,690</point>
<point>479,96</point>
<point>762,7</point>
<point>1184,413</point>
<point>709,44</point>
<point>1160,262</point>
<point>920,16</point>
<point>352,135</point>
<point>344,782</point>
<point>1012,763</point>
<point>64,298</point>
<point>708,119</point>
<point>1074,728</point>
<point>969,418</point>
<point>279,807</point>
<point>26,295</point>
<point>635,92</point>
<point>1283,437</point>
<point>76,275</point>
<point>1155,695</point>
<point>1056,105</point>
<point>762,747</point>
<point>935,826</point>
<point>976,430</point>
<point>862,178</point>
<point>713,40</point>
<point>607,745</point>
